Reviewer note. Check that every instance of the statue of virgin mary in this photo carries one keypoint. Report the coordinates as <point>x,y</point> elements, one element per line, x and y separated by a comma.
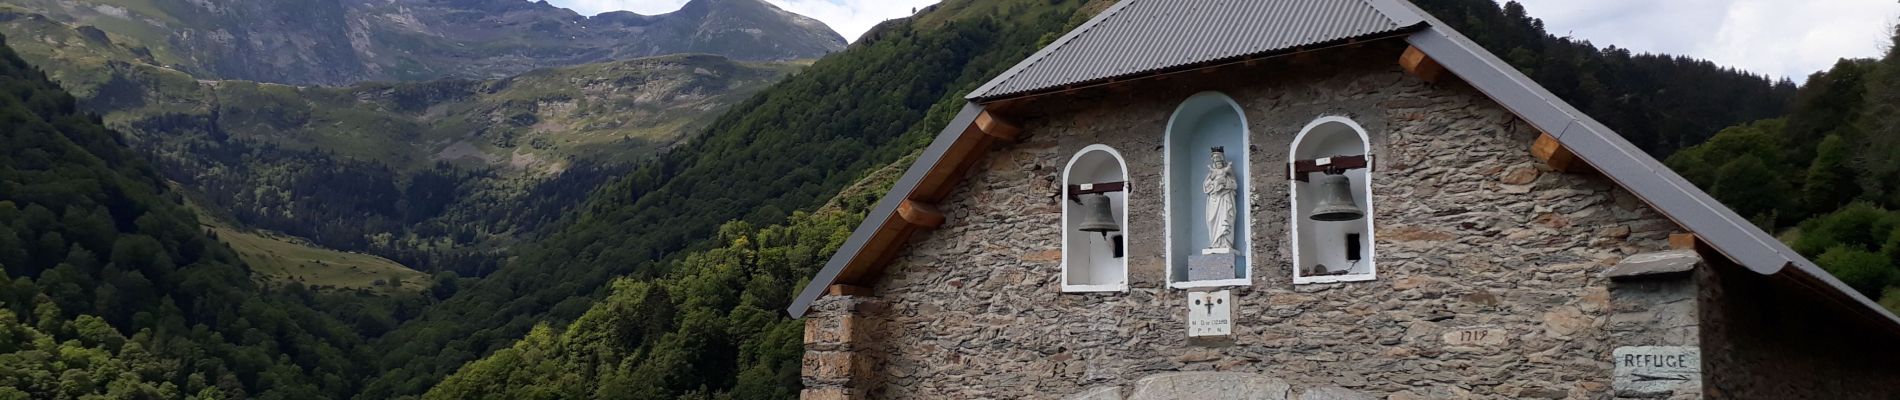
<point>1220,188</point>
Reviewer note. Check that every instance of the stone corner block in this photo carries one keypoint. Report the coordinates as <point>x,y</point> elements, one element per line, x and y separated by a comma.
<point>1334,393</point>
<point>835,368</point>
<point>831,394</point>
<point>841,305</point>
<point>836,332</point>
<point>1210,386</point>
<point>1652,264</point>
<point>1098,393</point>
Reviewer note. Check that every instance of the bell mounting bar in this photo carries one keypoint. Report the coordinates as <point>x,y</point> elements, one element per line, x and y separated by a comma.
<point>1075,192</point>
<point>1299,169</point>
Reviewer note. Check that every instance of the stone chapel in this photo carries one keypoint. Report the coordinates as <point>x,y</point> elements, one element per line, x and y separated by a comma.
<point>1312,199</point>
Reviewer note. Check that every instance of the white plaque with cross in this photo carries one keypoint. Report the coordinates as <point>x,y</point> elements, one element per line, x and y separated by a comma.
<point>1210,313</point>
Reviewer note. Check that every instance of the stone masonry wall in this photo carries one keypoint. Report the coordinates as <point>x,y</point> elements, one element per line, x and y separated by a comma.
<point>1472,235</point>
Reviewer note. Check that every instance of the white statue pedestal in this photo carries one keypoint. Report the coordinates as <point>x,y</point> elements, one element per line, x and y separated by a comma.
<point>1213,265</point>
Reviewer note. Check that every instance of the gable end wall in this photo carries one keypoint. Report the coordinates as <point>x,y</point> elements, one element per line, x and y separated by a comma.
<point>1473,234</point>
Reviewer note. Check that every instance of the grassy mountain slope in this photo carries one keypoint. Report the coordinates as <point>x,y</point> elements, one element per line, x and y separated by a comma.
<point>101,258</point>
<point>536,121</point>
<point>579,111</point>
<point>343,42</point>
<point>276,260</point>
<point>437,174</point>
<point>789,148</point>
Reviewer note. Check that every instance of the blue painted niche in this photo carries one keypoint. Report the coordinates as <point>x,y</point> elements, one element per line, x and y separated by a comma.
<point>1202,122</point>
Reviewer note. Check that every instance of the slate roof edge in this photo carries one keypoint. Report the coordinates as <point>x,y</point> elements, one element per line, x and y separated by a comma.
<point>885,209</point>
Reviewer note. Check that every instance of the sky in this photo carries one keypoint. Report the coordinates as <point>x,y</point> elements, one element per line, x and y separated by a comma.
<point>1779,38</point>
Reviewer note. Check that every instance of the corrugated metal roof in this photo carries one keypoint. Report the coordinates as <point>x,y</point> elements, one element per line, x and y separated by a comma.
<point>1141,36</point>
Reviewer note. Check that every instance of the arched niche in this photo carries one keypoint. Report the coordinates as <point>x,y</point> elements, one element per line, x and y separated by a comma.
<point>1328,244</point>
<point>1202,122</point>
<point>1093,262</point>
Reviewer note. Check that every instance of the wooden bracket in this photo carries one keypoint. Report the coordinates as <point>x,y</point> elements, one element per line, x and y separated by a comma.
<point>996,126</point>
<point>847,290</point>
<point>1552,153</point>
<point>1075,192</point>
<point>1300,169</point>
<point>1415,62</point>
<point>1683,241</point>
<point>920,214</point>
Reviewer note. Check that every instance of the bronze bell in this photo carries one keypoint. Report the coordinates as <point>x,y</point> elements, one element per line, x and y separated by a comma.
<point>1097,215</point>
<point>1335,202</point>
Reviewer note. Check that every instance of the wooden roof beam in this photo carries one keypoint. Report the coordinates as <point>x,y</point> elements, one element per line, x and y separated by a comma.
<point>1683,241</point>
<point>1552,153</point>
<point>919,214</point>
<point>998,127</point>
<point>1415,62</point>
<point>848,290</point>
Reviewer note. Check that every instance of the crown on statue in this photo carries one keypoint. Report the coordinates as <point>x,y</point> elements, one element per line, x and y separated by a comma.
<point>1220,149</point>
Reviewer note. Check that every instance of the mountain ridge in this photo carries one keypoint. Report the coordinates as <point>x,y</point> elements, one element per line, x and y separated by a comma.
<point>337,42</point>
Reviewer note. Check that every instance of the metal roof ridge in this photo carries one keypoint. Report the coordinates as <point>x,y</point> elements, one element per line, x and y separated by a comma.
<point>1034,58</point>
<point>1397,13</point>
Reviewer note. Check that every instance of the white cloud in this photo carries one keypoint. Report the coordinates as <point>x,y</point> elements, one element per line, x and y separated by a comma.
<point>849,17</point>
<point>1779,38</point>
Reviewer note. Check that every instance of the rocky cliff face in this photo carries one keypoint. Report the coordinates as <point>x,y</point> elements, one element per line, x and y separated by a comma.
<point>347,41</point>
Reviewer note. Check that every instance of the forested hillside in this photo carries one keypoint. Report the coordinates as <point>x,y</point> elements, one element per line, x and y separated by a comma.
<point>789,148</point>
<point>1826,174</point>
<point>110,288</point>
<point>714,324</point>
